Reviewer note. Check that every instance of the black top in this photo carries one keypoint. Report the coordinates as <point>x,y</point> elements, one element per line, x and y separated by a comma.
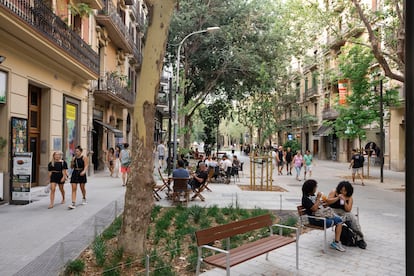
<point>358,161</point>
<point>288,156</point>
<point>79,165</point>
<point>56,170</point>
<point>57,166</point>
<point>307,203</point>
<point>337,205</point>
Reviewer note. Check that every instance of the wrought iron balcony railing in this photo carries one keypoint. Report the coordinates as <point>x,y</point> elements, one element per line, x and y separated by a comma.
<point>115,88</point>
<point>118,31</point>
<point>311,92</point>
<point>329,114</point>
<point>42,19</point>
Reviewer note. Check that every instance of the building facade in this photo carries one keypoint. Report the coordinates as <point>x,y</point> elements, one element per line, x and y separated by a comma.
<point>68,76</point>
<point>317,94</point>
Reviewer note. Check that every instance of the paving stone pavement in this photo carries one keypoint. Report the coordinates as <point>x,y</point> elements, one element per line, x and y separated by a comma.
<point>37,241</point>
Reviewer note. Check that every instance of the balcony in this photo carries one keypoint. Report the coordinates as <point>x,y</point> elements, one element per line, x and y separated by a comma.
<point>162,104</point>
<point>36,25</point>
<point>311,93</point>
<point>118,32</point>
<point>114,88</point>
<point>136,55</point>
<point>329,114</point>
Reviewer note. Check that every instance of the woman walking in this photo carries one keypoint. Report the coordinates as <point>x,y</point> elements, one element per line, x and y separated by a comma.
<point>298,163</point>
<point>58,173</point>
<point>111,161</point>
<point>79,164</point>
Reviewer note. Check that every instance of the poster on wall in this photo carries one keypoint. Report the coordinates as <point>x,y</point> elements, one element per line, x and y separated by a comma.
<point>71,130</point>
<point>18,135</point>
<point>21,181</point>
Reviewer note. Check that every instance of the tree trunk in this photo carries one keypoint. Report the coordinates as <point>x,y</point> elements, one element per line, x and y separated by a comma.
<point>138,197</point>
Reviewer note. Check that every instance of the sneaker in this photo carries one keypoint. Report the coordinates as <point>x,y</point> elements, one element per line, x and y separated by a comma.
<point>361,244</point>
<point>84,202</point>
<point>337,246</point>
<point>72,206</point>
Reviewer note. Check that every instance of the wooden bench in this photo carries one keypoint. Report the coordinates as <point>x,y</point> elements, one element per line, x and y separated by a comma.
<point>304,222</point>
<point>226,258</point>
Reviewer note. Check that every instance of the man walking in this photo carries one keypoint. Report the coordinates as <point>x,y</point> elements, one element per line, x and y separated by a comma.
<point>357,164</point>
<point>161,154</point>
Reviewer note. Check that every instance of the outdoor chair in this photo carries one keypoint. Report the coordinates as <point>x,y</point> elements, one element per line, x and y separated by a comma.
<point>165,184</point>
<point>241,168</point>
<point>181,192</point>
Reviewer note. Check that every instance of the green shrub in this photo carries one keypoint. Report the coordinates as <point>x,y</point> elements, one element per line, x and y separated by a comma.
<point>290,221</point>
<point>213,211</point>
<point>294,145</point>
<point>155,211</point>
<point>75,267</point>
<point>99,249</point>
<point>113,229</point>
<point>196,212</point>
<point>111,271</point>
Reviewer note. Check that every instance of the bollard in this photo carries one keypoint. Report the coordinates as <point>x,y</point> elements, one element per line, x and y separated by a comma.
<point>116,209</point>
<point>280,202</point>
<point>147,264</point>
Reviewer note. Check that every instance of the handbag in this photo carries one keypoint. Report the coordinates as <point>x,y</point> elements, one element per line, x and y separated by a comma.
<point>47,189</point>
<point>325,212</point>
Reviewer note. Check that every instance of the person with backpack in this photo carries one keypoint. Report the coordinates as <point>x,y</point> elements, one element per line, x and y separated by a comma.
<point>357,164</point>
<point>125,160</point>
<point>340,200</point>
<point>311,202</point>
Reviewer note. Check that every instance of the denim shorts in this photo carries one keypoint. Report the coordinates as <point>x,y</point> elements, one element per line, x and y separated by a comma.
<point>329,221</point>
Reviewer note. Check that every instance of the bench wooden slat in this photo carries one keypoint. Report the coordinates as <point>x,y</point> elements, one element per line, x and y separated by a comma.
<point>220,232</point>
<point>249,251</point>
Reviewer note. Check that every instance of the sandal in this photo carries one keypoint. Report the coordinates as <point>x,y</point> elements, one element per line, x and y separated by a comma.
<point>50,207</point>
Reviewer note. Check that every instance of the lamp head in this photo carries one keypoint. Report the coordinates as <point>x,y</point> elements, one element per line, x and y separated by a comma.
<point>2,58</point>
<point>212,29</point>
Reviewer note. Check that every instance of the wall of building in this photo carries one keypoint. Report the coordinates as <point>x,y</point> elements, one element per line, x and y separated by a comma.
<point>24,69</point>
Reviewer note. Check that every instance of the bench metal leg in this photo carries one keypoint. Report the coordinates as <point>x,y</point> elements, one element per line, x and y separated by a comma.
<point>297,247</point>
<point>324,232</point>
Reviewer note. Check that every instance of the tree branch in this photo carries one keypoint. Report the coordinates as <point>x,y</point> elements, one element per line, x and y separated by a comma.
<point>375,45</point>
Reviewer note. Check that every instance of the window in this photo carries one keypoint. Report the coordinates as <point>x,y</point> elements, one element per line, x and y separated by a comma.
<point>306,84</point>
<point>3,86</point>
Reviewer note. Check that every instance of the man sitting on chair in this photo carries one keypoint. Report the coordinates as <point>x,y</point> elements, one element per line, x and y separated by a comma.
<point>181,172</point>
<point>200,177</point>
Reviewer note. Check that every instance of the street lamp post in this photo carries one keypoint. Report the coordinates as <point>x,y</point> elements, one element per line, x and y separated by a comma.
<point>382,138</point>
<point>177,86</point>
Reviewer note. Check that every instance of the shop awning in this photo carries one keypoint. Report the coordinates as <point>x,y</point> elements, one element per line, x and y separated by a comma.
<point>117,132</point>
<point>323,131</point>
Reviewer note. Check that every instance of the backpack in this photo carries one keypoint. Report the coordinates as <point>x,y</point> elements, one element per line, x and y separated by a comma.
<point>125,158</point>
<point>348,236</point>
